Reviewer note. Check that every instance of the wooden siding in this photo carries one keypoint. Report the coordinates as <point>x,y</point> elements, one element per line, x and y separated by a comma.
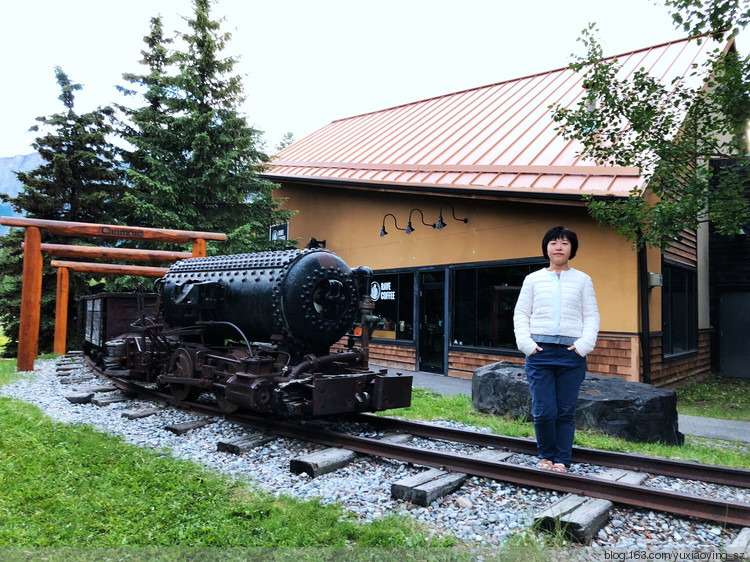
<point>462,364</point>
<point>684,250</point>
<point>393,356</point>
<point>674,373</point>
<point>616,355</point>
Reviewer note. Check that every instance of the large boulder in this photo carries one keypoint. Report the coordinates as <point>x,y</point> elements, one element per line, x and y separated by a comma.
<point>629,410</point>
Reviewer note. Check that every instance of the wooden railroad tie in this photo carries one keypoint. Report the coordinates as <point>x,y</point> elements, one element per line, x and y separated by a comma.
<point>74,380</point>
<point>113,398</point>
<point>138,414</point>
<point>424,488</point>
<point>328,460</point>
<point>184,427</point>
<point>243,443</point>
<point>71,358</point>
<point>80,397</point>
<point>581,518</point>
<point>740,546</point>
<point>85,395</point>
<point>66,368</point>
<point>321,462</point>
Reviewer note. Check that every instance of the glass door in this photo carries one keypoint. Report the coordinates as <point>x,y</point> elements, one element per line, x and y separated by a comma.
<point>432,321</point>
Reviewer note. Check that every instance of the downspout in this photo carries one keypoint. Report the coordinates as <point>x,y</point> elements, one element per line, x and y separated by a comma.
<point>643,295</point>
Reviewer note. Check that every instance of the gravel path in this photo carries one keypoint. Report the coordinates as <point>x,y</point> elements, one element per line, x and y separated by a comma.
<point>483,511</point>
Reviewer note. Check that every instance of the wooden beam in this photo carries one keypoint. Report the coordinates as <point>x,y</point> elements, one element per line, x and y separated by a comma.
<point>120,232</point>
<point>31,292</point>
<point>199,248</point>
<point>61,310</point>
<point>96,252</point>
<point>31,300</point>
<point>111,268</point>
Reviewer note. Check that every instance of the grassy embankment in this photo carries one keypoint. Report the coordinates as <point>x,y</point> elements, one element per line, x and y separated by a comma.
<point>66,485</point>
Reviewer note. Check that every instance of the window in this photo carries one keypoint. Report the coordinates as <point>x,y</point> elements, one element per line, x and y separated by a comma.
<point>393,294</point>
<point>679,310</point>
<point>483,304</point>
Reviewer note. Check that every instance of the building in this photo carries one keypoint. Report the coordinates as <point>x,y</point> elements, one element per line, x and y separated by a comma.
<point>447,200</point>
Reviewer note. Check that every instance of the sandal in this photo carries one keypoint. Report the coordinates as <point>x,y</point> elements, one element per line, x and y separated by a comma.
<point>545,464</point>
<point>559,467</point>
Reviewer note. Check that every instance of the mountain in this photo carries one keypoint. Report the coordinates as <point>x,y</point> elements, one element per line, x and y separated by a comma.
<point>9,183</point>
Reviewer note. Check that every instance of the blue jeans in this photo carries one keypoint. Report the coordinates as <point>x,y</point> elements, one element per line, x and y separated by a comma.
<point>555,376</point>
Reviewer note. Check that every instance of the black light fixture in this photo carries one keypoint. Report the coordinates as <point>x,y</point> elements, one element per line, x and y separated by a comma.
<point>441,223</point>
<point>409,228</point>
<point>382,230</point>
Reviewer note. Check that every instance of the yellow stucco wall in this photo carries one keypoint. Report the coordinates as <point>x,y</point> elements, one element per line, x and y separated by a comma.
<point>350,222</point>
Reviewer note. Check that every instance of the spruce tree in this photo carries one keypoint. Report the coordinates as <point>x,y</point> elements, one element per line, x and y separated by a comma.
<point>80,173</point>
<point>671,132</point>
<point>195,160</point>
<point>78,178</point>
<point>150,199</point>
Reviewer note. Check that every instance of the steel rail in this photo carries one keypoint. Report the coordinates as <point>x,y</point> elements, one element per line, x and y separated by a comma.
<point>658,499</point>
<point>654,465</point>
<point>638,496</point>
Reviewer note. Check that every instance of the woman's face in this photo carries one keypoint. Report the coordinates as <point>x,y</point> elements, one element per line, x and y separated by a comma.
<point>559,252</point>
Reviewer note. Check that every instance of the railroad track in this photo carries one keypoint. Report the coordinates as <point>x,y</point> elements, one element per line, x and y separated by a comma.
<point>688,505</point>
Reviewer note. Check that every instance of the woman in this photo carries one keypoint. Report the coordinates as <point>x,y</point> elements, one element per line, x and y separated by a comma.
<point>556,322</point>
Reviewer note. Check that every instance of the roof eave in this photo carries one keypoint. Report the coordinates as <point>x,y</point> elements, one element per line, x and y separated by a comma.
<point>489,193</point>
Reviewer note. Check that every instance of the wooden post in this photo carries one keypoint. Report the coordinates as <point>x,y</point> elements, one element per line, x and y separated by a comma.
<point>199,247</point>
<point>31,292</point>
<point>31,300</point>
<point>61,310</point>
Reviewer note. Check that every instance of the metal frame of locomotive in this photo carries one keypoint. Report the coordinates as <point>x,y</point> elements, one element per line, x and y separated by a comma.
<point>256,331</point>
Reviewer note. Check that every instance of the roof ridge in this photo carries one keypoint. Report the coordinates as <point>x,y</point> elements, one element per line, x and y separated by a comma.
<point>509,80</point>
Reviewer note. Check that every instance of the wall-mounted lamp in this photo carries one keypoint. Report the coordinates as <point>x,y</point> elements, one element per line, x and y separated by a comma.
<point>382,230</point>
<point>315,243</point>
<point>441,223</point>
<point>655,280</point>
<point>409,228</point>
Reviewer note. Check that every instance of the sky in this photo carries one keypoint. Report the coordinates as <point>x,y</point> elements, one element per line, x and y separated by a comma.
<point>306,63</point>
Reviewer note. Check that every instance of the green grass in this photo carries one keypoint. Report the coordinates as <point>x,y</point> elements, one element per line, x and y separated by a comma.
<point>7,371</point>
<point>717,397</point>
<point>63,485</point>
<point>428,405</point>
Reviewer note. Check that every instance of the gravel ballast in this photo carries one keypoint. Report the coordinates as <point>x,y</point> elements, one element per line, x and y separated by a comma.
<point>481,512</point>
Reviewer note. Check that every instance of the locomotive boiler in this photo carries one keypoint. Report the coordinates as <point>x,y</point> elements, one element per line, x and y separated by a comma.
<point>256,331</point>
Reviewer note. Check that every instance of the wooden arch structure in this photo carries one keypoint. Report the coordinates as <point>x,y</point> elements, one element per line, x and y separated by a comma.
<point>31,290</point>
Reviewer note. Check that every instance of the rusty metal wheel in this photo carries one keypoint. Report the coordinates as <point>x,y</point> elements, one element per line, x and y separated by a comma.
<point>182,365</point>
<point>223,403</point>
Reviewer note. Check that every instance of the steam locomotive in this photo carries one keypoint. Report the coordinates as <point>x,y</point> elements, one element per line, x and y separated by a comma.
<point>256,330</point>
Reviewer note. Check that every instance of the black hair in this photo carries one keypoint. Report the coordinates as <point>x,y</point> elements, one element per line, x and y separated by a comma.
<point>556,233</point>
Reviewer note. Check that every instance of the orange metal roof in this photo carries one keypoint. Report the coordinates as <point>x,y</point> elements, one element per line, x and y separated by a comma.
<point>496,139</point>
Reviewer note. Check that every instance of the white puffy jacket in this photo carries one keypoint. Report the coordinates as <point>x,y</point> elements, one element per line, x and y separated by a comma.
<point>579,315</point>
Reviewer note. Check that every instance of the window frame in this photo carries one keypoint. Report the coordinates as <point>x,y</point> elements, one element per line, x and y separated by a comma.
<point>399,272</point>
<point>534,262</point>
<point>689,332</point>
